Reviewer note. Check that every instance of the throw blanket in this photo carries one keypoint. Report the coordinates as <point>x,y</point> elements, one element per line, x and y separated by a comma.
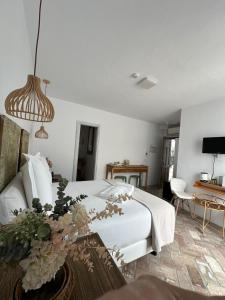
<point>163,217</point>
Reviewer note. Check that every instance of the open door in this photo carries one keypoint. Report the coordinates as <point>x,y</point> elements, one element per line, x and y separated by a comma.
<point>85,152</point>
<point>169,164</point>
<point>169,160</point>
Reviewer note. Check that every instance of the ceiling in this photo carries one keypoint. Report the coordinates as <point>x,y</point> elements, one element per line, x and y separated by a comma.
<point>89,48</point>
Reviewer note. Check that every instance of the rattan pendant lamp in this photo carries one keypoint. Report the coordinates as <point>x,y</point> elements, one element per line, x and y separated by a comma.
<point>29,102</point>
<point>42,133</point>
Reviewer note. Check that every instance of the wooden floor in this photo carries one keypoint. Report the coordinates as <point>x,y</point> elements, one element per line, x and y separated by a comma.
<point>194,261</point>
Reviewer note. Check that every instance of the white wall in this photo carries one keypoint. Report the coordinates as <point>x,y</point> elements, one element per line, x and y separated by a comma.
<point>200,121</point>
<point>120,138</point>
<point>15,56</point>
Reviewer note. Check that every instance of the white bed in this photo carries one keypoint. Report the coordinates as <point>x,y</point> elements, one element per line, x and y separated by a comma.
<point>131,232</point>
<point>122,231</point>
<point>140,230</point>
<point>148,222</point>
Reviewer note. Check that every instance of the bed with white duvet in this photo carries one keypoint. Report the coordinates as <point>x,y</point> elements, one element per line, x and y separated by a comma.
<point>121,231</point>
<point>147,223</point>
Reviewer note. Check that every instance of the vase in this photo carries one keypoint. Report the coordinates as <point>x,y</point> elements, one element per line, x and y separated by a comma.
<point>59,288</point>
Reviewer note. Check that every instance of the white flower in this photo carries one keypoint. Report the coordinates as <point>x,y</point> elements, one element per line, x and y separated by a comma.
<point>80,216</point>
<point>42,264</point>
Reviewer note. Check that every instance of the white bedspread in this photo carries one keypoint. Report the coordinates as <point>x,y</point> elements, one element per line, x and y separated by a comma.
<point>120,231</point>
<point>163,218</point>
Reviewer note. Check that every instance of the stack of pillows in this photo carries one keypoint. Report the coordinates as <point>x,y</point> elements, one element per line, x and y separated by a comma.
<point>37,179</point>
<point>34,181</point>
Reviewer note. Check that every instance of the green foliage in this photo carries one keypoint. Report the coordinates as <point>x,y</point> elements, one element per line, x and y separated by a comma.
<point>44,232</point>
<point>12,250</point>
<point>38,208</point>
<point>15,238</point>
<point>36,204</point>
<point>62,205</point>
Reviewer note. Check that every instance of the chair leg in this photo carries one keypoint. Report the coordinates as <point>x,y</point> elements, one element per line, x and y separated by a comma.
<point>173,200</point>
<point>178,203</point>
<point>203,221</point>
<point>182,203</point>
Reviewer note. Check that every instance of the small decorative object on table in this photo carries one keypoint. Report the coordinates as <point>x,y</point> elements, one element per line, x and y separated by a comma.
<point>40,244</point>
<point>213,181</point>
<point>126,162</point>
<point>204,177</point>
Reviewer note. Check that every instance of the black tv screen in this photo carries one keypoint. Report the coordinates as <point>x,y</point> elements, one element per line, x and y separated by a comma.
<point>213,145</point>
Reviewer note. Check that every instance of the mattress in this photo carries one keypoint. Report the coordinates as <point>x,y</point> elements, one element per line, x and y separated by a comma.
<point>119,231</point>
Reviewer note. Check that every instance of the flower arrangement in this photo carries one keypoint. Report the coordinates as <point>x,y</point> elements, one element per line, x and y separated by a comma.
<point>39,240</point>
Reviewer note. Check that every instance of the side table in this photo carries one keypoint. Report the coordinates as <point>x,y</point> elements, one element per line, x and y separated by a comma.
<point>88,285</point>
<point>209,206</point>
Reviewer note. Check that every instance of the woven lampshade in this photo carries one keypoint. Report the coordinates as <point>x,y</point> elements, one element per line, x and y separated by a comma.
<point>41,133</point>
<point>29,102</point>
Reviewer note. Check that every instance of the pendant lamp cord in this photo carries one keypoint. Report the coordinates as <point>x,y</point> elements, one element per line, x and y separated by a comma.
<point>37,40</point>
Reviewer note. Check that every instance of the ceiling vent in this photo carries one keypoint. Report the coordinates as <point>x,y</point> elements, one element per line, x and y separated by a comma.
<point>147,82</point>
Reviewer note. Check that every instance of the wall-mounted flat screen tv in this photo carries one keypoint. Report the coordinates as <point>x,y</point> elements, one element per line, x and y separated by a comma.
<point>213,145</point>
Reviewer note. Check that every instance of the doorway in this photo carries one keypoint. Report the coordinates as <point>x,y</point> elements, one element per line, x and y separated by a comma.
<point>85,152</point>
<point>169,165</point>
<point>169,159</point>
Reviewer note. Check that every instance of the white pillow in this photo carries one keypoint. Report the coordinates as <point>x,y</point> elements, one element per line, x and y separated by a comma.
<point>29,183</point>
<point>11,198</point>
<point>41,180</point>
<point>44,161</point>
<point>115,190</point>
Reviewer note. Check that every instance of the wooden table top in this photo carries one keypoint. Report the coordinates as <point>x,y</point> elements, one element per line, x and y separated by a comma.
<point>127,166</point>
<point>213,188</point>
<point>88,285</point>
<point>130,168</point>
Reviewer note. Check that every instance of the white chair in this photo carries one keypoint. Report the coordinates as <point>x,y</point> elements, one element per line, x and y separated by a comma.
<point>178,186</point>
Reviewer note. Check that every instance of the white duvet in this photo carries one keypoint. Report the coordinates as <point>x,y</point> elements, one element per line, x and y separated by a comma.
<point>120,231</point>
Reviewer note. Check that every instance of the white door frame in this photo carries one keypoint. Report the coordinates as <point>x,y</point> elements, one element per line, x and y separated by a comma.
<point>76,149</point>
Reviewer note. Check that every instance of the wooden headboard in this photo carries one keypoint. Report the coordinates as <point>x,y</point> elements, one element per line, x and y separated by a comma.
<point>13,142</point>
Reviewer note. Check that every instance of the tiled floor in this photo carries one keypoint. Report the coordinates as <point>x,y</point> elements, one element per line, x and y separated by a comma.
<point>194,261</point>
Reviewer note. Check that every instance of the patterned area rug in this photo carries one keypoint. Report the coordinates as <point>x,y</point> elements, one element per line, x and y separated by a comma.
<point>194,261</point>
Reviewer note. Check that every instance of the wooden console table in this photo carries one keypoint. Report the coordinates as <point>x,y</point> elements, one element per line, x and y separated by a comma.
<point>88,285</point>
<point>112,169</point>
<point>212,188</point>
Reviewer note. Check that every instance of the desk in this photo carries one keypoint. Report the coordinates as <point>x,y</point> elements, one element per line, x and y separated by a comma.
<point>212,205</point>
<point>212,188</point>
<point>112,169</point>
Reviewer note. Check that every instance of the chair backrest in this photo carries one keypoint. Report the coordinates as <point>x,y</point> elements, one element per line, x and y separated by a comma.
<point>177,185</point>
